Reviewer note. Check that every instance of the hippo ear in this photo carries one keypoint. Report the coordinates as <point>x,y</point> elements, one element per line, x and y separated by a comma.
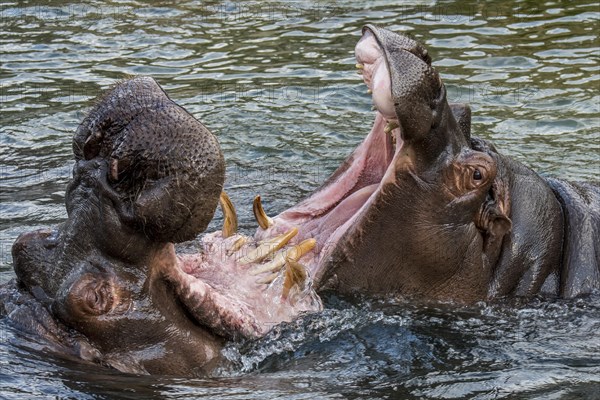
<point>498,225</point>
<point>493,218</point>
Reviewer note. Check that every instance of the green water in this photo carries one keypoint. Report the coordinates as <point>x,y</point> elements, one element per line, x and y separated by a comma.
<point>275,82</point>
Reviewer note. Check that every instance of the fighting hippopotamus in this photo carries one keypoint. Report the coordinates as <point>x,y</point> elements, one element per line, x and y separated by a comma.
<point>421,209</point>
<point>107,286</point>
<point>424,209</point>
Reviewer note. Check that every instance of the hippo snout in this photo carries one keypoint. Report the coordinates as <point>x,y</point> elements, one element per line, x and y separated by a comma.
<point>162,168</point>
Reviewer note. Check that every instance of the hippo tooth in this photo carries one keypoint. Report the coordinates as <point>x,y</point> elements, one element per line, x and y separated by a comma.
<point>259,214</point>
<point>360,66</point>
<point>237,244</point>
<point>373,108</point>
<point>295,275</point>
<point>390,126</point>
<point>369,91</point>
<point>268,279</point>
<point>230,222</point>
<point>293,253</point>
<point>268,247</point>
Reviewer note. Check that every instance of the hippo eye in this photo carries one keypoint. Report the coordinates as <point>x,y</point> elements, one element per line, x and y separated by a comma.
<point>477,176</point>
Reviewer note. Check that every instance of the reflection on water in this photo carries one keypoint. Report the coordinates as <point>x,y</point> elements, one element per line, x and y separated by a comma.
<point>275,82</point>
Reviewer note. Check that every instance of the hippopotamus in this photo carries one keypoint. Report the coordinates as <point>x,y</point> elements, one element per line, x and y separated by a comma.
<point>420,209</point>
<point>424,209</point>
<point>107,285</point>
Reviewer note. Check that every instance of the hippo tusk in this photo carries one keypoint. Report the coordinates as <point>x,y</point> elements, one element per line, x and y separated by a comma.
<point>230,222</point>
<point>295,275</point>
<point>266,280</point>
<point>293,253</point>
<point>259,214</point>
<point>238,244</point>
<point>360,66</point>
<point>390,126</point>
<point>369,91</point>
<point>268,247</point>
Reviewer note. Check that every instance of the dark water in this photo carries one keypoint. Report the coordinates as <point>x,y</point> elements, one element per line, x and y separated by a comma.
<point>275,81</point>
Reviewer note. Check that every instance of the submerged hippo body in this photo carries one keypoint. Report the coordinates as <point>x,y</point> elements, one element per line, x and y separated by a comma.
<point>421,208</point>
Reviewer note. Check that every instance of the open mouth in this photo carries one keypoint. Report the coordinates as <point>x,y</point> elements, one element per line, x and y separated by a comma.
<point>243,286</point>
<point>338,205</point>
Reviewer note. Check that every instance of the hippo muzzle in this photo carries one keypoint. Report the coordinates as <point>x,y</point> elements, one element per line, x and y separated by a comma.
<point>150,156</point>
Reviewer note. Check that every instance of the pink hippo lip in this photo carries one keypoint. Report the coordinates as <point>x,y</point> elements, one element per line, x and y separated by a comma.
<point>237,298</point>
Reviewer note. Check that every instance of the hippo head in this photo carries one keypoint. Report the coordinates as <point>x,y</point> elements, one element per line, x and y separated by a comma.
<point>417,209</point>
<point>147,175</point>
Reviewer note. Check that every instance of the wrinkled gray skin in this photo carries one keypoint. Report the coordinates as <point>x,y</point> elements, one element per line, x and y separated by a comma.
<point>146,174</point>
<point>437,232</point>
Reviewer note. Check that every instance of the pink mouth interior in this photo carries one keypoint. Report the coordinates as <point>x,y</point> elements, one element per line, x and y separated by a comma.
<point>335,207</point>
<point>329,212</point>
<point>235,297</point>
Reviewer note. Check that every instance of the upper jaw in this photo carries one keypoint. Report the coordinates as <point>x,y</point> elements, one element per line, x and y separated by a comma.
<point>372,64</point>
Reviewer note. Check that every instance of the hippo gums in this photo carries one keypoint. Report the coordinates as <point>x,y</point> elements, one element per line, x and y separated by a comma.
<point>420,209</point>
